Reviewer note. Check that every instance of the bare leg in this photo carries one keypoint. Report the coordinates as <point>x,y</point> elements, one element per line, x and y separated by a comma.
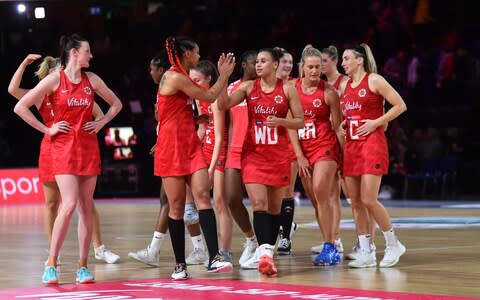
<point>52,202</point>
<point>234,197</point>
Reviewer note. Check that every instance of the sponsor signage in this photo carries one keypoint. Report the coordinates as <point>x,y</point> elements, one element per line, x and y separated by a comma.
<point>20,186</point>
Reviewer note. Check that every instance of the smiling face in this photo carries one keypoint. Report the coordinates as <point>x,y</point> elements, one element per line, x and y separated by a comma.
<point>200,78</point>
<point>285,66</point>
<point>264,64</point>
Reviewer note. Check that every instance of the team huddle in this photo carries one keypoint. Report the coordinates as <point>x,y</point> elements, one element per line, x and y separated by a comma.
<point>257,134</point>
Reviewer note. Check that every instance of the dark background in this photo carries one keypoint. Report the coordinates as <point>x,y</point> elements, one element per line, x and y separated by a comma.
<point>124,35</point>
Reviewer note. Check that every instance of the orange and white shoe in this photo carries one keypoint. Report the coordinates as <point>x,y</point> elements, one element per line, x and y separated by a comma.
<point>266,266</point>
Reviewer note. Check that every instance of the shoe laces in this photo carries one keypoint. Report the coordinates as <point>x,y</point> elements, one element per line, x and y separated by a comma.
<point>180,267</point>
<point>284,243</point>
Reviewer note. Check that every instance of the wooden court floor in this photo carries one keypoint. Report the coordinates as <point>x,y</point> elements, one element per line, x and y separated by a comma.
<point>438,261</point>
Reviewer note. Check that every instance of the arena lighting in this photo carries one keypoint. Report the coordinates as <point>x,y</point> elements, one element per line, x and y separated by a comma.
<point>21,8</point>
<point>39,13</point>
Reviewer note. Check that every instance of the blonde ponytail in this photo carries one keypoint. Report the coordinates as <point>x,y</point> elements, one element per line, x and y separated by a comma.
<point>45,66</point>
<point>370,64</point>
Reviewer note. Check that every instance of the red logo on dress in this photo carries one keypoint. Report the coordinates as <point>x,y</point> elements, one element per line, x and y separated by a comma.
<point>362,92</point>
<point>278,99</point>
<point>317,102</point>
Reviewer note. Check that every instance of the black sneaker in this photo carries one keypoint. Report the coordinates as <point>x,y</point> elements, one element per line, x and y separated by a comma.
<point>219,265</point>
<point>284,247</point>
<point>180,272</point>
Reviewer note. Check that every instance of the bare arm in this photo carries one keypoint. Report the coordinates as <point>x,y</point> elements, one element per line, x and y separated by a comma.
<point>106,94</point>
<point>14,86</point>
<point>296,121</point>
<point>304,166</point>
<point>380,86</point>
<point>331,98</point>
<point>173,81</point>
<point>219,127</point>
<point>97,112</point>
<point>35,97</point>
<point>225,102</point>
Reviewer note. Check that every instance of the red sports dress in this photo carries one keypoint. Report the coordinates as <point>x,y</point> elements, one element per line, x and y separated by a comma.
<point>75,152</point>
<point>239,120</point>
<point>45,163</point>
<point>178,151</point>
<point>208,142</point>
<point>264,158</point>
<point>317,138</point>
<point>336,84</point>
<point>363,154</point>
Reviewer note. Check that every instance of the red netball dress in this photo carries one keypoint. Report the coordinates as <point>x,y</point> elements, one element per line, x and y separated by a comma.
<point>45,163</point>
<point>264,158</point>
<point>239,119</point>
<point>208,143</point>
<point>317,138</point>
<point>336,84</point>
<point>178,151</point>
<point>75,152</point>
<point>363,154</point>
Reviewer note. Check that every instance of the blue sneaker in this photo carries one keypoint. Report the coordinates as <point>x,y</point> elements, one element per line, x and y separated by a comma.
<point>328,257</point>
<point>50,275</point>
<point>84,276</point>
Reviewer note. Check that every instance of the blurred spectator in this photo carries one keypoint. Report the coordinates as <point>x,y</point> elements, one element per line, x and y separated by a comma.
<point>432,145</point>
<point>395,71</point>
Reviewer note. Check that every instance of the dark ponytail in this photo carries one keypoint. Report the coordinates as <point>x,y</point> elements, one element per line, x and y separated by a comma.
<point>68,43</point>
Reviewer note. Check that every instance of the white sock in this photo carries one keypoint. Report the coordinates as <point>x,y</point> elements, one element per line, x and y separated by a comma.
<point>252,240</point>
<point>390,237</point>
<point>197,242</point>
<point>364,242</point>
<point>157,241</point>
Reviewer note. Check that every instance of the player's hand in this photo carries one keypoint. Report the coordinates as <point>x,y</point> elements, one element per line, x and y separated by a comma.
<point>93,126</point>
<point>62,126</point>
<point>30,58</point>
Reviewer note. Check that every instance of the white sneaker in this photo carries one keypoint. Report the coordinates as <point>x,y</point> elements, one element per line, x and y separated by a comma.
<point>392,255</point>
<point>146,256</point>
<point>364,259</point>
<point>180,272</point>
<point>339,245</point>
<point>197,257</point>
<point>319,248</point>
<point>248,252</point>
<point>355,250</point>
<point>219,265</point>
<point>108,256</point>
<point>252,263</point>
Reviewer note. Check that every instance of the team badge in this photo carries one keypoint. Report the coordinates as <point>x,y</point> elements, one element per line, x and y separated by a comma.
<point>317,102</point>
<point>278,99</point>
<point>362,92</point>
<point>87,90</point>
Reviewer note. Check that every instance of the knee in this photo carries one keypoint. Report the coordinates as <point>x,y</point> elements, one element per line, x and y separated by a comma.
<point>68,208</point>
<point>176,210</point>
<point>221,205</point>
<point>52,204</point>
